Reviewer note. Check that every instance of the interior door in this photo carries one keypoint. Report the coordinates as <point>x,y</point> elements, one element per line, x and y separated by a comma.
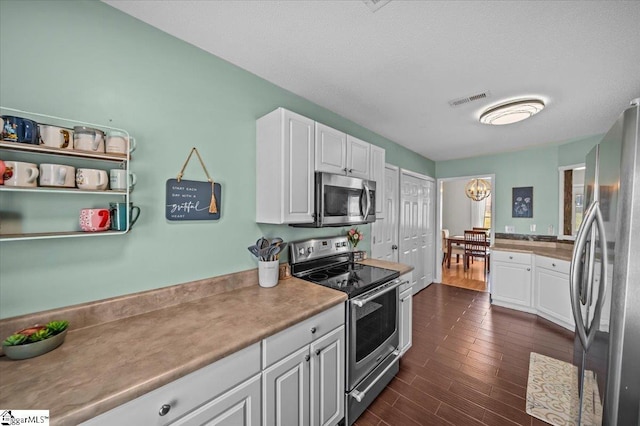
<point>384,231</point>
<point>409,226</point>
<point>427,229</point>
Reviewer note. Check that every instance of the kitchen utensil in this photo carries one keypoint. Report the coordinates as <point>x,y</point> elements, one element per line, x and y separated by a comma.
<point>119,143</point>
<point>262,243</point>
<point>92,179</point>
<point>119,215</point>
<point>118,179</point>
<point>254,251</point>
<point>55,137</point>
<point>18,129</point>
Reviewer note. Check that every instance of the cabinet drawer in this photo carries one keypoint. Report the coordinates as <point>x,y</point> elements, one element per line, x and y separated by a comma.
<point>561,266</point>
<point>511,256</point>
<point>287,341</point>
<point>186,393</point>
<point>406,277</point>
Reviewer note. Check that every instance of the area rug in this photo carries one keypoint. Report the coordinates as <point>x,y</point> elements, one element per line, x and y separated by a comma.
<point>552,393</point>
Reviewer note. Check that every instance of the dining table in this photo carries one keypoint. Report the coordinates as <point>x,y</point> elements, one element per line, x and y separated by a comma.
<point>459,240</point>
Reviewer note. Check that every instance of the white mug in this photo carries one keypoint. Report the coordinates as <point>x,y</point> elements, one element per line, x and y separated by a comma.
<point>118,179</point>
<point>55,137</point>
<point>119,143</point>
<point>88,139</point>
<point>57,175</point>
<point>92,179</point>
<point>18,173</point>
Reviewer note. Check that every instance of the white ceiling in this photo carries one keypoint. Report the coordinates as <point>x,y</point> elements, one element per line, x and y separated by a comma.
<point>394,71</point>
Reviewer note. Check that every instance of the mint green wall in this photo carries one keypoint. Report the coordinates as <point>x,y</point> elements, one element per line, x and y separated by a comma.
<point>537,167</point>
<point>87,61</point>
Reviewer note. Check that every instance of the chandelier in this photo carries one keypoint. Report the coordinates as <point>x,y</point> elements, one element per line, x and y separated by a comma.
<point>477,189</point>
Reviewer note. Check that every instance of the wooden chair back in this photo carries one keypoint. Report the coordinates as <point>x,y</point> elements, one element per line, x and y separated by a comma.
<point>475,243</point>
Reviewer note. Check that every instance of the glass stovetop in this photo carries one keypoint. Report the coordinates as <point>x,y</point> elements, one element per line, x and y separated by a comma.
<point>352,278</point>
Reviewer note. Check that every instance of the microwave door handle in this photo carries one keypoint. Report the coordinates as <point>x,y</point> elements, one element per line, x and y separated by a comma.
<point>574,277</point>
<point>367,191</point>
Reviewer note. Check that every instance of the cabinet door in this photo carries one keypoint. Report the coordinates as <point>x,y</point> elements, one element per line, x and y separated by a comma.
<point>327,378</point>
<point>285,156</point>
<point>511,284</point>
<point>285,392</point>
<point>552,297</point>
<point>376,173</point>
<point>406,311</point>
<point>331,150</point>
<point>238,407</point>
<point>357,157</point>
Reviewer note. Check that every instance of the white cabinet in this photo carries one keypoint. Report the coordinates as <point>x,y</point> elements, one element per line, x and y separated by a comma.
<point>331,150</point>
<point>511,280</point>
<point>206,386</point>
<point>303,383</point>
<point>285,157</point>
<point>22,216</point>
<point>357,157</point>
<point>339,153</point>
<point>405,312</point>
<point>552,299</point>
<point>376,173</point>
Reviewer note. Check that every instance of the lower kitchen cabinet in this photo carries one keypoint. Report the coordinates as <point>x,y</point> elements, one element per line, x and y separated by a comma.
<point>306,387</point>
<point>511,280</point>
<point>552,299</point>
<point>240,406</point>
<point>406,311</point>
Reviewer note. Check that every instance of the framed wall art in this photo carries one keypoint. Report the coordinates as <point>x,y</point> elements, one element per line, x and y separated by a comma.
<point>522,202</point>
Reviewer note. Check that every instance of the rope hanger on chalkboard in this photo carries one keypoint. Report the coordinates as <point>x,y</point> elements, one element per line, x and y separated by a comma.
<point>213,206</point>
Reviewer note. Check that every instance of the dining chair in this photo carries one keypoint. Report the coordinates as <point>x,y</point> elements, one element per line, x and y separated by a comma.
<point>475,245</point>
<point>457,250</point>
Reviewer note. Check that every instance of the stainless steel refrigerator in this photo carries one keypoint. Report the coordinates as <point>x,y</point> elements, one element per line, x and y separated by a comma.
<point>605,279</point>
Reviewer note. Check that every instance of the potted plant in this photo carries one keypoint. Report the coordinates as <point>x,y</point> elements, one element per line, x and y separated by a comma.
<point>35,341</point>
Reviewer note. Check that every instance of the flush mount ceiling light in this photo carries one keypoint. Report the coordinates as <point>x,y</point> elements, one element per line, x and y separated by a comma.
<point>477,189</point>
<point>511,112</point>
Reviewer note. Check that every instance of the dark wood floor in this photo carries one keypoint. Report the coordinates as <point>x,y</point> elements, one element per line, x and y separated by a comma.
<point>468,364</point>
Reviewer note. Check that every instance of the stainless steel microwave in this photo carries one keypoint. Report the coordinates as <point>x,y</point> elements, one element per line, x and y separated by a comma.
<point>342,200</point>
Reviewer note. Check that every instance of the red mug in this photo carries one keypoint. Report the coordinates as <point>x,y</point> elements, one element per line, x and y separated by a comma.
<point>95,220</point>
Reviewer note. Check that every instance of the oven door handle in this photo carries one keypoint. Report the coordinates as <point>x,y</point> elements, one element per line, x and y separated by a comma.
<point>360,302</point>
<point>360,395</point>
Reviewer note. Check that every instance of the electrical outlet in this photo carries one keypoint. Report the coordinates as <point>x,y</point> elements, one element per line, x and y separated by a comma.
<point>532,227</point>
<point>509,229</point>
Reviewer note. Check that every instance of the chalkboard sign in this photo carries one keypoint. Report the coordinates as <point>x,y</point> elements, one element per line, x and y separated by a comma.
<point>190,199</point>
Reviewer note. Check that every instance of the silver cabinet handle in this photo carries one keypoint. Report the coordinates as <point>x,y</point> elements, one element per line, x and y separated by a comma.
<point>553,264</point>
<point>394,247</point>
<point>344,170</point>
<point>350,170</point>
<point>164,410</point>
<point>313,330</point>
<point>318,352</point>
<point>307,358</point>
<point>511,257</point>
<point>528,269</point>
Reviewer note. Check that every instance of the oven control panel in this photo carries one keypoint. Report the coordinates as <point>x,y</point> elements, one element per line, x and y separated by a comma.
<point>301,251</point>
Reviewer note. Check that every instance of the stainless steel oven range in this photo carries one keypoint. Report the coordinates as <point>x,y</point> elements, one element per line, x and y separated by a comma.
<point>372,349</point>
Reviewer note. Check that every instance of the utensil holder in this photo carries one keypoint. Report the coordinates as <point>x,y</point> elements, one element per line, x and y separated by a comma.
<point>268,273</point>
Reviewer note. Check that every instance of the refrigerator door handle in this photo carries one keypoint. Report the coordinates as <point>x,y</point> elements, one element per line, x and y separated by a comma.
<point>574,285</point>
<point>593,327</point>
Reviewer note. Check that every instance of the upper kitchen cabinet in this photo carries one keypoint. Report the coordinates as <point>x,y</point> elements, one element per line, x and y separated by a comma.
<point>331,150</point>
<point>339,153</point>
<point>376,173</point>
<point>285,155</point>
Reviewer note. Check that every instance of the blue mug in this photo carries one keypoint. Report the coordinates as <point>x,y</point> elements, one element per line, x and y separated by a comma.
<point>119,215</point>
<point>18,129</point>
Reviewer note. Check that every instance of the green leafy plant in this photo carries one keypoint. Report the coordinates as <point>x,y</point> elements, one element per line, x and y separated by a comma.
<point>57,327</point>
<point>15,339</point>
<point>39,335</point>
<point>36,333</point>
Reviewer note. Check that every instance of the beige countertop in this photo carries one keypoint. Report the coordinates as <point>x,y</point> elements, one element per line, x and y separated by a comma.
<point>400,267</point>
<point>102,366</point>
<point>562,253</point>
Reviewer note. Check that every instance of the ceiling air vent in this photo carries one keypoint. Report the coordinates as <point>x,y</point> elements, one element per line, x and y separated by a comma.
<point>461,101</point>
<point>374,5</point>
